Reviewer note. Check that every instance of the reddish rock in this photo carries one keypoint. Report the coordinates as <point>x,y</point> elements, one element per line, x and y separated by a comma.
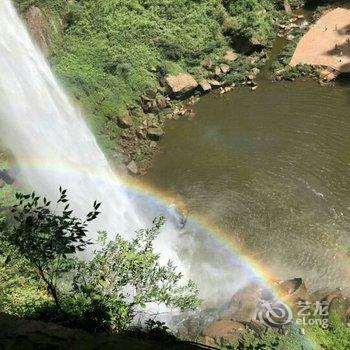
<point>225,68</point>
<point>230,56</point>
<point>225,332</point>
<point>205,86</point>
<point>214,83</point>
<point>180,84</point>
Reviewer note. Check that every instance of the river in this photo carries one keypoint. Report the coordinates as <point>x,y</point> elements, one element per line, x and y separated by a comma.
<point>271,168</point>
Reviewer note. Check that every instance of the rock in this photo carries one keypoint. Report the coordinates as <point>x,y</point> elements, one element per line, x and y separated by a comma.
<point>180,84</point>
<point>244,303</point>
<point>132,168</point>
<point>329,74</point>
<point>323,73</point>
<point>125,121</point>
<point>214,83</point>
<point>153,144</point>
<point>294,290</point>
<point>38,28</point>
<point>207,341</point>
<point>225,332</point>
<point>253,88</point>
<point>290,37</point>
<point>250,77</point>
<point>225,68</point>
<point>255,71</point>
<point>205,86</point>
<point>163,103</point>
<point>257,327</point>
<point>155,133</point>
<point>140,134</point>
<point>217,71</point>
<point>230,56</point>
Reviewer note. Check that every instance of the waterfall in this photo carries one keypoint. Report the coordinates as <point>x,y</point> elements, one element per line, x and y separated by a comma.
<point>53,146</point>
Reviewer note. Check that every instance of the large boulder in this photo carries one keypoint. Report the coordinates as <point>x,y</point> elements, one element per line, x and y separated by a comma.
<point>38,28</point>
<point>294,290</point>
<point>230,56</point>
<point>205,86</point>
<point>180,84</point>
<point>225,332</point>
<point>155,133</point>
<point>244,303</point>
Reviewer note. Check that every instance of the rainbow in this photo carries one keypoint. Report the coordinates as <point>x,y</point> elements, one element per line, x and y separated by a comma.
<point>226,241</point>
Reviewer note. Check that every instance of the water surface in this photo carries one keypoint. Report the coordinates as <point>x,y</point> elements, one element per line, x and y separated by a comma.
<point>270,167</point>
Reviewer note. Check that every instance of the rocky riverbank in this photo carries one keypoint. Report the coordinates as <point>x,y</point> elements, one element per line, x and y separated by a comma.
<point>237,326</point>
<point>143,127</point>
<point>255,313</point>
<point>172,80</point>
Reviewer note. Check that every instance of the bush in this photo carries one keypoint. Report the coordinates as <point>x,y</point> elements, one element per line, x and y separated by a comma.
<point>104,293</point>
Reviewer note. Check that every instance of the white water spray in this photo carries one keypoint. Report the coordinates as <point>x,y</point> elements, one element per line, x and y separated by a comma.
<point>53,147</point>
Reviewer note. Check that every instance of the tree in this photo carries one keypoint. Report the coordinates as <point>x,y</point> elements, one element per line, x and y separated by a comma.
<point>46,238</point>
<point>103,293</point>
<point>124,277</point>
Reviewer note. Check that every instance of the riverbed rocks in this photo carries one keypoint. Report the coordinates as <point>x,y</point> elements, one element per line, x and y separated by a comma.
<point>230,56</point>
<point>132,168</point>
<point>205,85</point>
<point>224,68</point>
<point>181,84</point>
<point>244,303</point>
<point>214,83</point>
<point>155,133</point>
<point>224,332</point>
<point>328,74</point>
<point>125,121</point>
<point>294,290</point>
<point>240,317</point>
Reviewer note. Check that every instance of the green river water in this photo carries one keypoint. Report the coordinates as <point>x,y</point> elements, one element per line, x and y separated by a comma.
<point>271,168</point>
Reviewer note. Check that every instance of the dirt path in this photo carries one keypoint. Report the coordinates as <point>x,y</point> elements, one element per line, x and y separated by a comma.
<point>327,43</point>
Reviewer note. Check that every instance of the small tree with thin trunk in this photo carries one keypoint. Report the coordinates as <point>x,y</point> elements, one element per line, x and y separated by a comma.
<point>46,237</point>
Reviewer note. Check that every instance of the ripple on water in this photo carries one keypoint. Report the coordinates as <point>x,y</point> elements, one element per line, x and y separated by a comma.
<point>272,168</point>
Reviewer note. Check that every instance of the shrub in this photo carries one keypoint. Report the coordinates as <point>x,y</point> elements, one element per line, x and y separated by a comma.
<point>106,292</point>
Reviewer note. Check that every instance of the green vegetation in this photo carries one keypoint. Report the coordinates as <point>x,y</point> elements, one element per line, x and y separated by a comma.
<point>109,52</point>
<point>43,277</point>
